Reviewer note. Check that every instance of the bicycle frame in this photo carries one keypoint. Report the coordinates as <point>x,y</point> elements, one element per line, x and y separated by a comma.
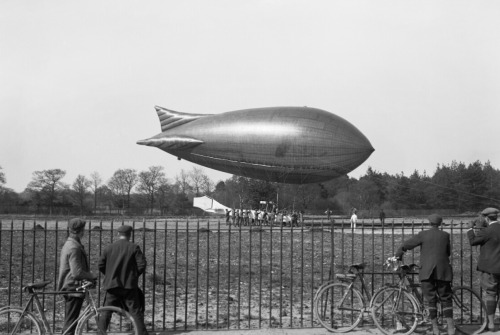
<point>364,289</point>
<point>35,300</point>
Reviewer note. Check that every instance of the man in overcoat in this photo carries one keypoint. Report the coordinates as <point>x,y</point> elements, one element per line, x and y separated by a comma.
<point>122,263</point>
<point>489,260</point>
<point>435,273</point>
<point>73,268</point>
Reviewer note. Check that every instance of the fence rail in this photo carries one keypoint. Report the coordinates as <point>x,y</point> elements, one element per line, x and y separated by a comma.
<point>206,274</point>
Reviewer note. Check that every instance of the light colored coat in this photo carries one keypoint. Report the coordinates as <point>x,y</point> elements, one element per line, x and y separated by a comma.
<point>73,266</point>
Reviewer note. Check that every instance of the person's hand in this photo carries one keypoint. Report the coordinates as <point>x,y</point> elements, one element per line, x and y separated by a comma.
<point>392,263</point>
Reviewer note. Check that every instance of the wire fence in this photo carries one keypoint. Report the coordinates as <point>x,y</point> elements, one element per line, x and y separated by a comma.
<point>211,275</point>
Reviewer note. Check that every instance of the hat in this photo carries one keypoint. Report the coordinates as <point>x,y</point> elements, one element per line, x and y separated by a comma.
<point>435,219</point>
<point>76,225</point>
<point>490,211</point>
<point>124,229</point>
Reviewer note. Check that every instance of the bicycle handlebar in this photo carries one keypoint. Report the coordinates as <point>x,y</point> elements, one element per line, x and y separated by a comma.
<point>86,284</point>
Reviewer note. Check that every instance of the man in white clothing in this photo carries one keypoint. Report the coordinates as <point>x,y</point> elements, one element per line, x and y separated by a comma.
<point>354,219</point>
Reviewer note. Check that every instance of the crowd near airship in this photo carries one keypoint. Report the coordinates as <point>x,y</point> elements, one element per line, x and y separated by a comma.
<point>295,145</point>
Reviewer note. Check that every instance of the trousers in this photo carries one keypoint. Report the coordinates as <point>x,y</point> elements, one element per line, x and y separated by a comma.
<point>491,286</point>
<point>434,290</point>
<point>130,300</point>
<point>72,307</point>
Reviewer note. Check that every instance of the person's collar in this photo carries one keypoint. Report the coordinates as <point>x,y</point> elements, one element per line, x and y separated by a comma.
<point>75,238</point>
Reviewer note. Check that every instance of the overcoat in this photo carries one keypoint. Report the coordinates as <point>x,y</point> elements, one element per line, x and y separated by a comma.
<point>73,266</point>
<point>489,240</point>
<point>434,254</point>
<point>122,263</point>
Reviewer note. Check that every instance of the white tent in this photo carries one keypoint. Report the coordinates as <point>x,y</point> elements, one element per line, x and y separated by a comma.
<point>209,205</point>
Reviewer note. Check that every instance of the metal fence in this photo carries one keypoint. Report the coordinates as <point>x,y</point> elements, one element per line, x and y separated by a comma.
<point>206,274</point>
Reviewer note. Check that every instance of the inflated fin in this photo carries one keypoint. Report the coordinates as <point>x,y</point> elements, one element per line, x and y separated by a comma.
<point>171,143</point>
<point>170,119</point>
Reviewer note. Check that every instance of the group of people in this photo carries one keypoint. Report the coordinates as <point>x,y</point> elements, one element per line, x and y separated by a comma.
<point>436,273</point>
<point>247,217</point>
<point>121,263</point>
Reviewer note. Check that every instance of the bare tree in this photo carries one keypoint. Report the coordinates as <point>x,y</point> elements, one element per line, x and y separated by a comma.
<point>121,183</point>
<point>150,182</point>
<point>196,176</point>
<point>47,183</point>
<point>207,185</point>
<point>96,181</point>
<point>81,186</point>
<point>182,181</point>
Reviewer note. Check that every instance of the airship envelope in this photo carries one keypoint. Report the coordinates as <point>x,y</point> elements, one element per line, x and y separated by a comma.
<point>281,144</point>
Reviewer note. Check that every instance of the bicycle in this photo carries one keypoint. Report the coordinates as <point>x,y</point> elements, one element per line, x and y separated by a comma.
<point>19,320</point>
<point>339,306</point>
<point>400,307</point>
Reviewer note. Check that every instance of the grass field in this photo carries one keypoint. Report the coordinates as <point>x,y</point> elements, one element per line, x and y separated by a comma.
<point>206,274</point>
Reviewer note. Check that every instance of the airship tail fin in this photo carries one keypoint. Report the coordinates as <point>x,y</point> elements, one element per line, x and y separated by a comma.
<point>171,143</point>
<point>170,119</point>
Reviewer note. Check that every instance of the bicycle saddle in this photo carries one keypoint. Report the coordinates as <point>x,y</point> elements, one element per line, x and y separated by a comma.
<point>346,276</point>
<point>38,285</point>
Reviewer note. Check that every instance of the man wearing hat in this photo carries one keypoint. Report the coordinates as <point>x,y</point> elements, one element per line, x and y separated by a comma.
<point>73,267</point>
<point>436,273</point>
<point>122,263</point>
<point>489,260</point>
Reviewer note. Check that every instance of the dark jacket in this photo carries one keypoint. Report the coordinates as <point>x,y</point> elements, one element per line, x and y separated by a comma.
<point>434,254</point>
<point>489,240</point>
<point>73,266</point>
<point>122,263</point>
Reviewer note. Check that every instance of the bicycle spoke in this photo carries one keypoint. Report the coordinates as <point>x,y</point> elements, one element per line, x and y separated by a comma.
<point>13,321</point>
<point>469,312</point>
<point>120,322</point>
<point>394,311</point>
<point>338,308</point>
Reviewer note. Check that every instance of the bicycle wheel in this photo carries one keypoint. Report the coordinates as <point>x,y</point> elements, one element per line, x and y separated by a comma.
<point>469,311</point>
<point>321,287</point>
<point>121,322</point>
<point>338,308</point>
<point>14,321</point>
<point>394,311</point>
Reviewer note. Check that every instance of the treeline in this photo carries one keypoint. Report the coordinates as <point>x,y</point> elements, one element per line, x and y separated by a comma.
<point>456,187</point>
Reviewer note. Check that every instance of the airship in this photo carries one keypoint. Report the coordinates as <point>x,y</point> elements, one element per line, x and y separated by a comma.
<point>295,145</point>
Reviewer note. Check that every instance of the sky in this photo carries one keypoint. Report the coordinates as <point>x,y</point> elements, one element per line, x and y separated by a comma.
<point>79,79</point>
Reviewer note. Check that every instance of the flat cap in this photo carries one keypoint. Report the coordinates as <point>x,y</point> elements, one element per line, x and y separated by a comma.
<point>76,225</point>
<point>124,229</point>
<point>435,219</point>
<point>490,211</point>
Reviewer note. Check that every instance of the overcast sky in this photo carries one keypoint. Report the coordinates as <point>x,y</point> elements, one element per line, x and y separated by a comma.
<point>79,79</point>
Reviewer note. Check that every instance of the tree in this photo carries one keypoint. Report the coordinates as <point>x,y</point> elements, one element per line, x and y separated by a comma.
<point>96,181</point>
<point>80,186</point>
<point>196,176</point>
<point>2,178</point>
<point>121,184</point>
<point>256,191</point>
<point>46,184</point>
<point>150,182</point>
<point>206,185</point>
<point>164,197</point>
<point>182,182</point>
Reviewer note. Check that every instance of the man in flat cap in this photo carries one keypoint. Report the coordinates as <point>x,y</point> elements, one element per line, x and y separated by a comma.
<point>436,273</point>
<point>489,260</point>
<point>73,267</point>
<point>122,263</point>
